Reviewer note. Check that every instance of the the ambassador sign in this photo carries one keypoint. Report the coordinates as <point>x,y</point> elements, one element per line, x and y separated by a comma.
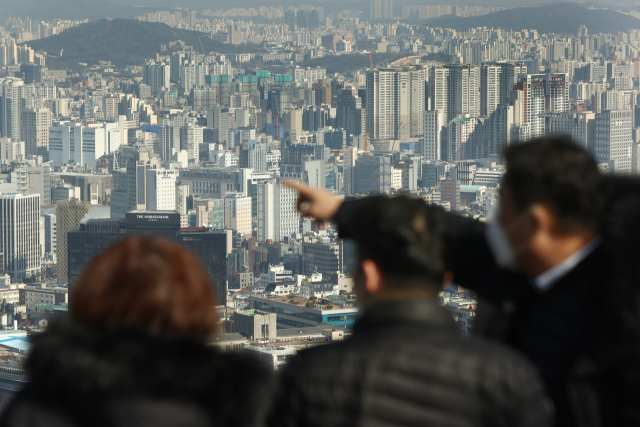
<point>153,217</point>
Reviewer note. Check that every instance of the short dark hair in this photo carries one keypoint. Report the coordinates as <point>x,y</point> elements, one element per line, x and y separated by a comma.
<point>405,238</point>
<point>146,283</point>
<point>558,172</point>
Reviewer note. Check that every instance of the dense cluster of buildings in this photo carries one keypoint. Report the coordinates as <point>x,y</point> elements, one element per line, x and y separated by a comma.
<point>192,146</point>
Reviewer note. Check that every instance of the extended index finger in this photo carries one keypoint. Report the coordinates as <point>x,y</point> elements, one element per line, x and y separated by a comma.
<point>296,185</point>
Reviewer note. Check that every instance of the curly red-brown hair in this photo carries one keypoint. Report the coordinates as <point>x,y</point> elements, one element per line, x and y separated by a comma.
<point>145,283</point>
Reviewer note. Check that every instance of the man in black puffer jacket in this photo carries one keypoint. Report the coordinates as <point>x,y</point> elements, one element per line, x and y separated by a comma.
<point>407,363</point>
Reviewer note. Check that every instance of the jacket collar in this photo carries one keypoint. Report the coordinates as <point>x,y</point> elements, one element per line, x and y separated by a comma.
<point>425,313</point>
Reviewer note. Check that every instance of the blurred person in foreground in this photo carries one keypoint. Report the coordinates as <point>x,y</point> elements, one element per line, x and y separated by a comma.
<point>407,363</point>
<point>556,273</point>
<point>133,353</point>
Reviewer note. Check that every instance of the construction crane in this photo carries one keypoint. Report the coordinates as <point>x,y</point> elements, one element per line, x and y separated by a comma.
<point>202,47</point>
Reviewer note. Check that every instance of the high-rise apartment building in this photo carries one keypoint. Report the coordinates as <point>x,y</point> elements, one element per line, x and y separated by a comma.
<point>380,9</point>
<point>455,90</point>
<point>350,113</point>
<point>14,98</point>
<point>465,135</point>
<point>34,130</point>
<point>69,213</point>
<point>395,102</point>
<point>496,84</point>
<point>20,234</point>
<point>161,189</point>
<point>156,76</point>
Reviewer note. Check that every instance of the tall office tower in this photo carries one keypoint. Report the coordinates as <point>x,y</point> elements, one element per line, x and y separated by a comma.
<point>455,90</point>
<point>304,162</point>
<point>302,19</point>
<point>277,214</point>
<point>496,84</point>
<point>190,140</point>
<point>237,213</point>
<point>431,144</point>
<point>220,121</point>
<point>395,102</point>
<point>175,63</point>
<point>292,121</point>
<point>50,233</point>
<point>613,140</point>
<point>290,19</point>
<point>20,234</point>
<point>34,130</point>
<point>156,76</point>
<point>161,189</point>
<point>69,213</point>
<point>350,113</point>
<point>373,173</point>
<point>136,176</point>
<point>14,98</point>
<point>169,140</point>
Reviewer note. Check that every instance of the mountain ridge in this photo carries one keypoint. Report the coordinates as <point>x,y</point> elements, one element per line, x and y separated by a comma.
<point>123,42</point>
<point>558,18</point>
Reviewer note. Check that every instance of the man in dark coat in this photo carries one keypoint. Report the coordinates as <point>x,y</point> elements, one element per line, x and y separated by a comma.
<point>556,273</point>
<point>407,363</point>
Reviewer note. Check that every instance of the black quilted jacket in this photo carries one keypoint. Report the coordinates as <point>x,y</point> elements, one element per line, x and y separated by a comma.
<point>408,365</point>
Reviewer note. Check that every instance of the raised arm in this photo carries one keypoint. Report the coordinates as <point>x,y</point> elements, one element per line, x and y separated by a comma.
<point>468,255</point>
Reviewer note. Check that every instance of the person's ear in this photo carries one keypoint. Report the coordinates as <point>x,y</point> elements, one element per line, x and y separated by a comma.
<point>543,217</point>
<point>372,277</point>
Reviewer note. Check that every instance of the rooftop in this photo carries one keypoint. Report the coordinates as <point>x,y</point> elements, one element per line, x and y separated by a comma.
<point>226,338</point>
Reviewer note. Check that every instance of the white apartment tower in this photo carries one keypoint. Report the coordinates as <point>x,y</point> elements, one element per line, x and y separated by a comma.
<point>496,84</point>
<point>395,102</point>
<point>455,90</point>
<point>20,234</point>
<point>277,213</point>
<point>161,189</point>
